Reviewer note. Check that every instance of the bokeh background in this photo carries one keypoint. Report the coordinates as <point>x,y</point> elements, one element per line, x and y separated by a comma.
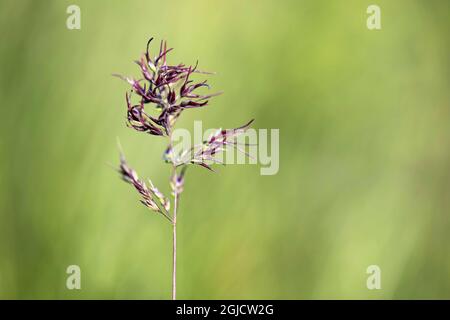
<point>364,151</point>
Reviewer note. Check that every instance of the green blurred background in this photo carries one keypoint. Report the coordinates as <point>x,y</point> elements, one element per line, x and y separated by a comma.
<point>364,159</point>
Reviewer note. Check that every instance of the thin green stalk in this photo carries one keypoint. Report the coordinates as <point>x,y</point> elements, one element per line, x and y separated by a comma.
<point>174,252</point>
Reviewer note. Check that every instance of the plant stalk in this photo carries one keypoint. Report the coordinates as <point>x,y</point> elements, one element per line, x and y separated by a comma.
<point>174,252</point>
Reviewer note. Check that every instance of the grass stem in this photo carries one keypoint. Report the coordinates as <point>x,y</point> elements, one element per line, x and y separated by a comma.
<point>174,252</point>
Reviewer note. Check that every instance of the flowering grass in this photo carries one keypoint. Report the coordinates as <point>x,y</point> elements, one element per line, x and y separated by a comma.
<point>169,90</point>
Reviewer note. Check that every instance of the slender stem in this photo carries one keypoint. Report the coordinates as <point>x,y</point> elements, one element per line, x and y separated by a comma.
<point>174,261</point>
<point>174,230</point>
<point>163,211</point>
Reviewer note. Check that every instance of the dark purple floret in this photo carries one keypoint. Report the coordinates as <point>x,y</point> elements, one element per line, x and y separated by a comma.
<point>168,87</point>
<point>130,176</point>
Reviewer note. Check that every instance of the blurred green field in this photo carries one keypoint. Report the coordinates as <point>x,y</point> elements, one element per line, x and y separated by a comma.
<point>364,151</point>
